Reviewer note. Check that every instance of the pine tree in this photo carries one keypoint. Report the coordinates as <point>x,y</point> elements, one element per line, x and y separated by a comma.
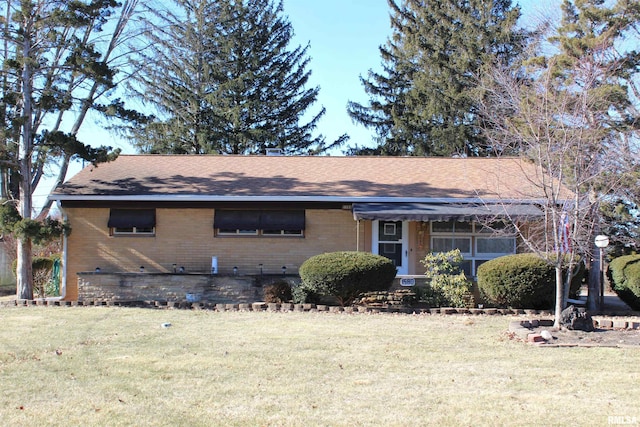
<point>222,79</point>
<point>423,102</point>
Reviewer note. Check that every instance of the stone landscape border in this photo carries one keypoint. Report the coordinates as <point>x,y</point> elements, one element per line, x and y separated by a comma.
<point>618,320</point>
<point>263,306</point>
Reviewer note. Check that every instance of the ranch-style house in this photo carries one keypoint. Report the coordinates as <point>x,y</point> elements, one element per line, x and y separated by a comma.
<point>235,216</point>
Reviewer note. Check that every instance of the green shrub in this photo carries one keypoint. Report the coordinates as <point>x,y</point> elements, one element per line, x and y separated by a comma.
<point>522,281</point>
<point>343,275</point>
<point>624,273</point>
<point>448,285</point>
<point>41,270</point>
<point>431,297</point>
<point>616,268</point>
<point>278,292</point>
<point>303,293</point>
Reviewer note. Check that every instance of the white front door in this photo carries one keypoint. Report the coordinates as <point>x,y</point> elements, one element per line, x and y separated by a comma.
<point>390,239</point>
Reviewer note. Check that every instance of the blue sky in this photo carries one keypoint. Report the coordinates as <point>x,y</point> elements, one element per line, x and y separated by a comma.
<point>343,37</point>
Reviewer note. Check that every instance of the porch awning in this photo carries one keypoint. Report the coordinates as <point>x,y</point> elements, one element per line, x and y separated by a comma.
<point>442,211</point>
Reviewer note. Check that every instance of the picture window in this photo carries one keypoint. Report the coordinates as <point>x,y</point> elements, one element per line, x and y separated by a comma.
<point>473,240</point>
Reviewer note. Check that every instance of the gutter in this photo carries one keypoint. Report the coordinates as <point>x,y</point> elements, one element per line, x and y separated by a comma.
<point>335,199</point>
<point>65,240</point>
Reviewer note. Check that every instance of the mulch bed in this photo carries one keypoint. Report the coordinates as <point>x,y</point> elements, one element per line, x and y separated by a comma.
<point>621,337</point>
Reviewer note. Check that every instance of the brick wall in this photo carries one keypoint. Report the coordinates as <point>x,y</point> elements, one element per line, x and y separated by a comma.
<point>185,237</point>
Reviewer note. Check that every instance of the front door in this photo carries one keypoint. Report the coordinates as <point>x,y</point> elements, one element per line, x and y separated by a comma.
<point>390,240</point>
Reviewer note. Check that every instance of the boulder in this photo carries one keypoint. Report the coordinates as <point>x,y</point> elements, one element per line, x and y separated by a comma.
<point>576,319</point>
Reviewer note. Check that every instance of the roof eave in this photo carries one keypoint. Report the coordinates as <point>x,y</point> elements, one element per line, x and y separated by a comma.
<point>319,199</point>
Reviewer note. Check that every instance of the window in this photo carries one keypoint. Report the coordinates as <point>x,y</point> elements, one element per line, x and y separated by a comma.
<point>282,232</point>
<point>495,227</point>
<point>240,223</point>
<point>474,240</point>
<point>495,245</point>
<point>389,229</point>
<point>259,223</point>
<point>237,231</point>
<point>446,244</point>
<point>451,227</point>
<point>132,222</point>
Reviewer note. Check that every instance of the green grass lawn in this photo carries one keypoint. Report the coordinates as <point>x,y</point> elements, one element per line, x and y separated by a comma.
<point>119,366</point>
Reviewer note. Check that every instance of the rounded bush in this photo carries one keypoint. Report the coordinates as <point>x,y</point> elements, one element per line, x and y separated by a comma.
<point>624,273</point>
<point>343,275</point>
<point>521,281</point>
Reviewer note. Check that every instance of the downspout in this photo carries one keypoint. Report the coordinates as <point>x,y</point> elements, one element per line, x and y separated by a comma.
<point>357,235</point>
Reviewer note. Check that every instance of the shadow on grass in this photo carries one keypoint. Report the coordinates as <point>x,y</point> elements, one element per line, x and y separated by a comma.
<point>7,290</point>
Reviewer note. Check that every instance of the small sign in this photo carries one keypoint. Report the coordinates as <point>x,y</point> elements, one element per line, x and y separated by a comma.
<point>407,281</point>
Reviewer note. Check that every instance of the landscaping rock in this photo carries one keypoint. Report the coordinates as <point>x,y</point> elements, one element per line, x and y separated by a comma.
<point>546,335</point>
<point>535,338</point>
<point>619,324</point>
<point>576,319</point>
<point>605,323</point>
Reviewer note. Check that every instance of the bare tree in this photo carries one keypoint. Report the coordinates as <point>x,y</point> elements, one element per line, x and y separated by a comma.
<point>566,113</point>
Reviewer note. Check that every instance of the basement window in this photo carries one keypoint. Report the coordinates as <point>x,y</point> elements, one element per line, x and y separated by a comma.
<point>132,222</point>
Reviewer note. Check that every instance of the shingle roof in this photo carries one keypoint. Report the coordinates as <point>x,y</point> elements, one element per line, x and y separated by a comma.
<point>172,177</point>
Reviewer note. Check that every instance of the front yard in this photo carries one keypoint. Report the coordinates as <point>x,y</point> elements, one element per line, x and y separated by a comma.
<point>128,366</point>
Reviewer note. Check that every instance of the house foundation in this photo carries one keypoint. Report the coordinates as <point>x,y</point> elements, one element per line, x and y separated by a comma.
<point>166,287</point>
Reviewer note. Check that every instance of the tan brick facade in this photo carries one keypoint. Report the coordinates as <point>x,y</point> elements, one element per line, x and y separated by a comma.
<point>185,237</point>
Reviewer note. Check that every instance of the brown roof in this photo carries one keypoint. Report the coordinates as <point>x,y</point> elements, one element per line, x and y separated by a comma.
<point>174,177</point>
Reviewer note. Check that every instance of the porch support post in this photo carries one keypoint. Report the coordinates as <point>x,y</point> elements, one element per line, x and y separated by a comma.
<point>357,235</point>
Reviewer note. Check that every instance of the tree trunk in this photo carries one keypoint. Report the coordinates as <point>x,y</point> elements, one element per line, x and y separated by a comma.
<point>24,277</point>
<point>559,296</point>
<point>25,151</point>
<point>24,270</point>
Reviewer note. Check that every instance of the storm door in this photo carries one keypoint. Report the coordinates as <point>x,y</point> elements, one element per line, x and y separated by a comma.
<point>390,240</point>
